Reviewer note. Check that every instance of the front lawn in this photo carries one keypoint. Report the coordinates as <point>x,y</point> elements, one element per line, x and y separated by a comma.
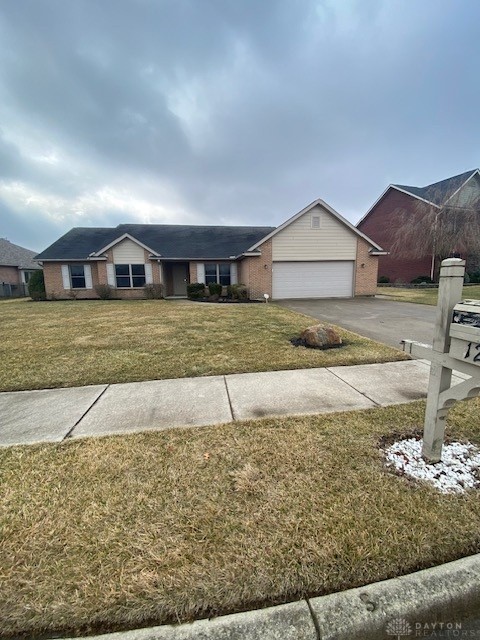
<point>168,526</point>
<point>73,343</point>
<point>423,296</point>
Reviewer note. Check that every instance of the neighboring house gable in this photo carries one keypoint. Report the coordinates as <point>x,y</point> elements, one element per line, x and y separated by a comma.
<point>384,218</point>
<point>16,265</point>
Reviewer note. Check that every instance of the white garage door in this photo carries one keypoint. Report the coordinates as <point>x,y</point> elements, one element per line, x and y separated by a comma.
<point>329,279</point>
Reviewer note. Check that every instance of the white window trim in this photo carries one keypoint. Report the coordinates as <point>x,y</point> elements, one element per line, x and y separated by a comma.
<point>130,275</point>
<point>217,265</point>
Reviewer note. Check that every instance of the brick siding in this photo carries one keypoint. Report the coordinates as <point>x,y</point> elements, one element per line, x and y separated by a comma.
<point>366,268</point>
<point>381,225</point>
<point>10,275</point>
<point>256,272</point>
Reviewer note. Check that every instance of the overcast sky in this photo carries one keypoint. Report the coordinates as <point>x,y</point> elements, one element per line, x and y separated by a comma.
<point>227,111</point>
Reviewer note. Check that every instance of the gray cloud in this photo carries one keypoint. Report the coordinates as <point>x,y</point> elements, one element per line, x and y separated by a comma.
<point>219,111</point>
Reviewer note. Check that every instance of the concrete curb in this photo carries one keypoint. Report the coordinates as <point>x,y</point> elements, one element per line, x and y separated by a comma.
<point>441,594</point>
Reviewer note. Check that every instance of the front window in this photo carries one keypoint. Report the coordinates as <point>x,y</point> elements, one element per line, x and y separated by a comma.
<point>217,273</point>
<point>129,275</point>
<point>77,276</point>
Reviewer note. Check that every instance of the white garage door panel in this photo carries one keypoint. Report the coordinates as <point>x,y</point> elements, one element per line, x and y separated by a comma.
<point>329,279</point>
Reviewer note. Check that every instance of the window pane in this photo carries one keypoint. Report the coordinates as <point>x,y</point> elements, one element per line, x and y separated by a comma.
<point>122,270</point>
<point>138,269</point>
<point>78,282</point>
<point>211,269</point>
<point>225,280</point>
<point>123,282</point>
<point>209,279</point>
<point>138,281</point>
<point>76,270</point>
<point>224,269</point>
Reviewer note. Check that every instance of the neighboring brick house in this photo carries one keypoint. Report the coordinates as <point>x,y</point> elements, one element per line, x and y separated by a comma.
<point>384,218</point>
<point>16,266</point>
<point>314,254</point>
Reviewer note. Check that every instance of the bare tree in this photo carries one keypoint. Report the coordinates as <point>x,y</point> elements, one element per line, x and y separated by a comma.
<point>452,228</point>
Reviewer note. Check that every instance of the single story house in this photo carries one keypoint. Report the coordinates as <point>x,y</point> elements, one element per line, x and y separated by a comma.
<point>384,219</point>
<point>315,254</point>
<point>16,266</point>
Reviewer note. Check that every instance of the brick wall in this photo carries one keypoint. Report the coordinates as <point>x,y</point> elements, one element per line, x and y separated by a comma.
<point>193,272</point>
<point>254,275</point>
<point>366,268</point>
<point>10,275</point>
<point>381,224</point>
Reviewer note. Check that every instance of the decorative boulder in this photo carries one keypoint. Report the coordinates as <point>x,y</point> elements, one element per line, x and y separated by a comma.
<point>321,336</point>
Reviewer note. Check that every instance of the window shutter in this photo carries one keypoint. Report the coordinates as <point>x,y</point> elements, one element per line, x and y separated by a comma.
<point>111,275</point>
<point>66,276</point>
<point>148,273</point>
<point>233,273</point>
<point>200,272</point>
<point>87,269</point>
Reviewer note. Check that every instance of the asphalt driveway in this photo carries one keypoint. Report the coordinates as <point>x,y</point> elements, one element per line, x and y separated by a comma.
<point>383,320</point>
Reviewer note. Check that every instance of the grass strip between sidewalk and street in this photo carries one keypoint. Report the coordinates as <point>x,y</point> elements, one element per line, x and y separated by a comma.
<point>119,532</point>
<point>75,343</point>
<point>423,296</point>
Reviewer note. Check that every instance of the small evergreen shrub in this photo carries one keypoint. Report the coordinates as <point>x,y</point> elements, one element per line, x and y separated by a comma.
<point>104,291</point>
<point>195,290</point>
<point>215,289</point>
<point>383,280</point>
<point>153,291</point>
<point>36,286</point>
<point>237,292</point>
<point>474,277</point>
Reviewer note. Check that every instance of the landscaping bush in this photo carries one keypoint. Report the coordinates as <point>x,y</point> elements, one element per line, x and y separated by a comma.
<point>153,291</point>
<point>383,280</point>
<point>215,289</point>
<point>104,291</point>
<point>195,290</point>
<point>36,286</point>
<point>474,277</point>
<point>237,292</point>
<point>422,280</point>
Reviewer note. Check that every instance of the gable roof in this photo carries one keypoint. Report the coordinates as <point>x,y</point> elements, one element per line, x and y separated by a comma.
<point>12,255</point>
<point>330,210</point>
<point>438,192</point>
<point>435,194</point>
<point>168,241</point>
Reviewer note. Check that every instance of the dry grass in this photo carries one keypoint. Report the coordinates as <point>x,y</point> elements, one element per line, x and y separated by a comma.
<point>423,296</point>
<point>73,343</point>
<point>117,532</point>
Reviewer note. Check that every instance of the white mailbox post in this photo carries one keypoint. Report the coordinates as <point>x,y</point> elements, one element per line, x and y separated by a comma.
<point>456,346</point>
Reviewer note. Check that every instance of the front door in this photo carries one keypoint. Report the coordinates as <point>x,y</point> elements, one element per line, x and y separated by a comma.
<point>180,279</point>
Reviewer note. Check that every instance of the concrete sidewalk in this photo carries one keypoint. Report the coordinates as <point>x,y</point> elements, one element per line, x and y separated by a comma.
<point>51,415</point>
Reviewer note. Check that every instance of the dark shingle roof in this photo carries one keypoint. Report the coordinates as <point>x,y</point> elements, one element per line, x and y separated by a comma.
<point>168,240</point>
<point>438,192</point>
<point>16,256</point>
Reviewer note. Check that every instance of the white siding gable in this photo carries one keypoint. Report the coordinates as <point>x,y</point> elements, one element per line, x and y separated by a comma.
<point>128,252</point>
<point>299,242</point>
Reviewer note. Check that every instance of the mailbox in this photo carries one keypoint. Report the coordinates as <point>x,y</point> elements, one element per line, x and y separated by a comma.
<point>465,332</point>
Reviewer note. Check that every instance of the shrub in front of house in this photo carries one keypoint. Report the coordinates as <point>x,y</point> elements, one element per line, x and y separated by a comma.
<point>237,292</point>
<point>195,290</point>
<point>383,280</point>
<point>36,286</point>
<point>474,277</point>
<point>215,289</point>
<point>153,291</point>
<point>104,291</point>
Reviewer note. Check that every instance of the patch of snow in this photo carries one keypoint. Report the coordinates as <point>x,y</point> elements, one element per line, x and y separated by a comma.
<point>459,469</point>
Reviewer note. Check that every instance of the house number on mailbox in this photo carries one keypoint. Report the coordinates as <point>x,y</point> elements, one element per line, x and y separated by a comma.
<point>470,352</point>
